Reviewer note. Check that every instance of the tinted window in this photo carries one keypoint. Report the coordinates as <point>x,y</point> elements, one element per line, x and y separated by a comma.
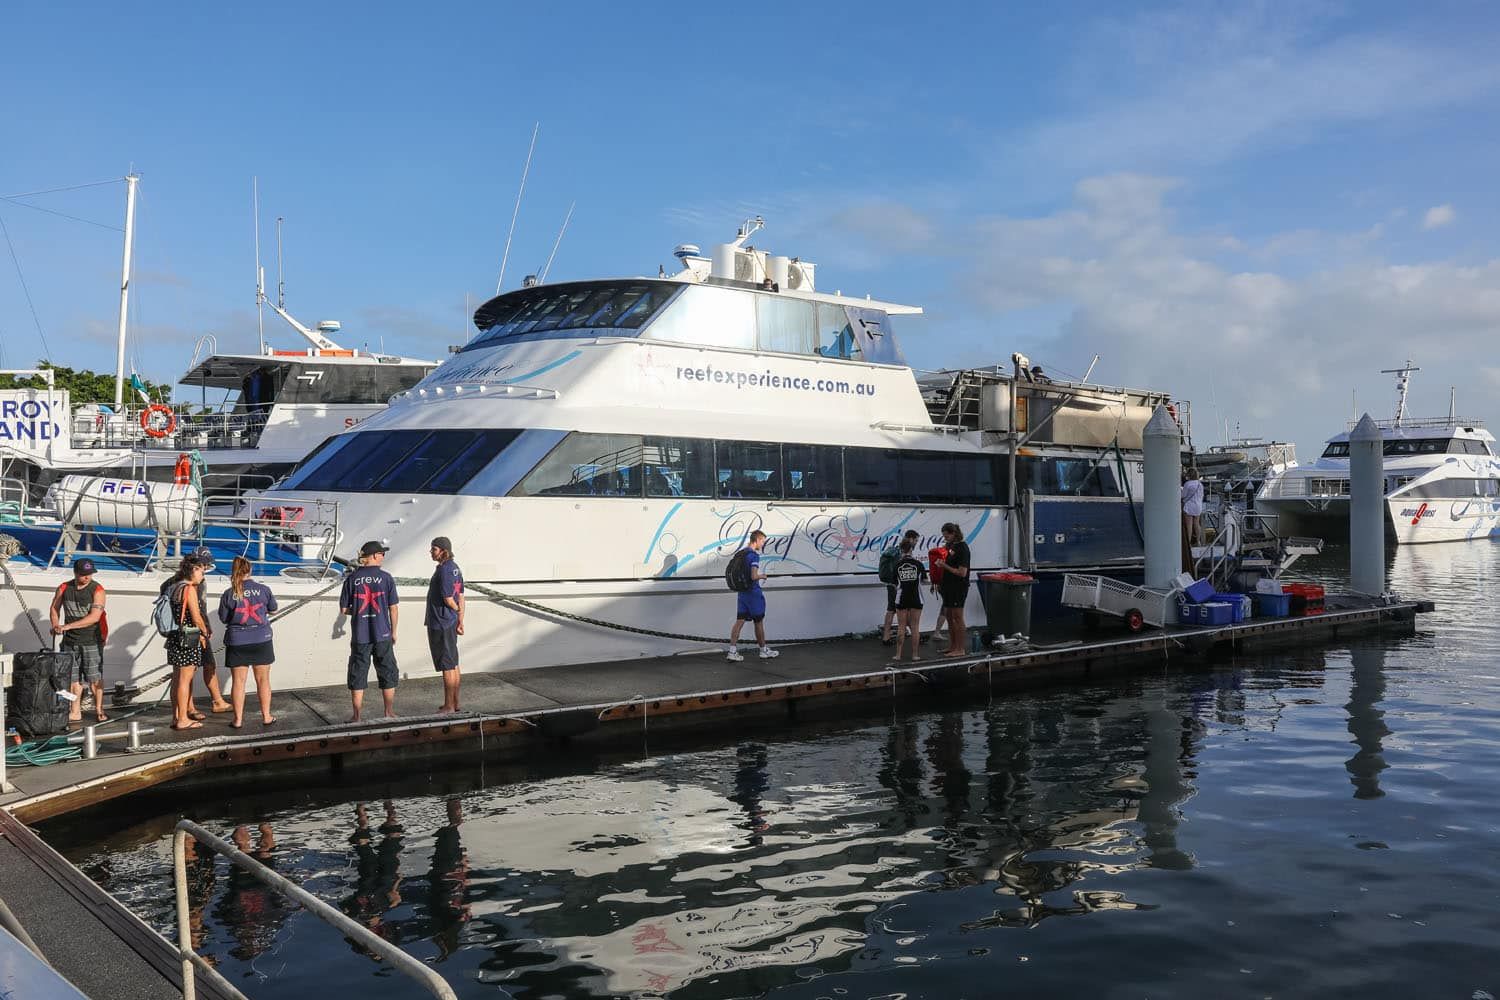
<point>974,480</point>
<point>926,477</point>
<point>1339,449</point>
<point>749,469</point>
<point>1424,446</point>
<point>786,324</point>
<point>312,457</point>
<point>813,472</point>
<point>835,338</point>
<point>312,382</point>
<point>405,461</point>
<point>1067,477</point>
<point>584,465</point>
<point>444,462</point>
<point>679,467</point>
<point>572,306</point>
<point>872,473</point>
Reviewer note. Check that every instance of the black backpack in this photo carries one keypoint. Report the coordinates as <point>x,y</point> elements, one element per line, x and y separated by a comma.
<point>888,560</point>
<point>737,573</point>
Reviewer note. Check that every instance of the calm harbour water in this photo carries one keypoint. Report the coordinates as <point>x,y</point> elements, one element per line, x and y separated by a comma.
<point>1308,822</point>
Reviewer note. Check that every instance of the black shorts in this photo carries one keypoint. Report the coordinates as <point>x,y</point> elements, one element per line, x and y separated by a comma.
<point>443,642</point>
<point>914,604</point>
<point>255,654</point>
<point>384,655</point>
<point>954,595</point>
<point>890,597</point>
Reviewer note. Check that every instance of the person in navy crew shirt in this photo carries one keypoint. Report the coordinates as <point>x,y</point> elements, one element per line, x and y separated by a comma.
<point>445,618</point>
<point>370,600</point>
<point>245,609</point>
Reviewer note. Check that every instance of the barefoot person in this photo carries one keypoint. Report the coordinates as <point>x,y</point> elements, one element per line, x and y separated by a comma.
<point>954,588</point>
<point>909,574</point>
<point>245,610</point>
<point>751,603</point>
<point>78,616</point>
<point>444,618</point>
<point>370,600</point>
<point>185,645</point>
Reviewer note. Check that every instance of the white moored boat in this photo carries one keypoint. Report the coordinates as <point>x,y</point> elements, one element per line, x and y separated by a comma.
<point>1442,481</point>
<point>601,448</point>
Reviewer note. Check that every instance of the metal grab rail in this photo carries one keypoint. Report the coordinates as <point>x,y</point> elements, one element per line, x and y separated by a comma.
<point>399,960</point>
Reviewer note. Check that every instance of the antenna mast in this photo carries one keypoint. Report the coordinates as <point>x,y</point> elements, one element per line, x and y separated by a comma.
<point>517,211</point>
<point>1403,384</point>
<point>260,272</point>
<point>556,243</point>
<point>131,180</point>
<point>280,275</point>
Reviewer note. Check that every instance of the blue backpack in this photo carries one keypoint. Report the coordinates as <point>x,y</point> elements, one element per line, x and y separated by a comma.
<point>161,613</point>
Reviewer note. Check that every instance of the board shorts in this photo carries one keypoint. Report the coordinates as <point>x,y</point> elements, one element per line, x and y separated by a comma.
<point>955,595</point>
<point>751,606</point>
<point>254,654</point>
<point>384,656</point>
<point>88,662</point>
<point>443,644</point>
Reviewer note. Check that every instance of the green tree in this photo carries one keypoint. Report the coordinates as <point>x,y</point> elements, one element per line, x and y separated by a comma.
<point>84,386</point>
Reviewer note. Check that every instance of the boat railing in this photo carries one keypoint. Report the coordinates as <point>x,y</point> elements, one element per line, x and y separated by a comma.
<point>367,940</point>
<point>1422,422</point>
<point>188,431</point>
<point>278,537</point>
<point>1306,487</point>
<point>16,506</point>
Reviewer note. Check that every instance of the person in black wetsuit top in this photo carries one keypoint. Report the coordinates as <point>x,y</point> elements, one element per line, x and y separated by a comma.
<point>954,588</point>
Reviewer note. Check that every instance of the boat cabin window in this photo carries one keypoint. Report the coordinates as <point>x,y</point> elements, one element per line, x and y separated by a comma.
<point>629,465</point>
<point>678,467</point>
<point>1415,446</point>
<point>812,472</point>
<point>585,465</point>
<point>1454,489</point>
<point>575,306</point>
<point>1337,449</point>
<point>749,470</point>
<point>1080,477</point>
<point>311,382</point>
<point>402,461</point>
<point>1468,446</point>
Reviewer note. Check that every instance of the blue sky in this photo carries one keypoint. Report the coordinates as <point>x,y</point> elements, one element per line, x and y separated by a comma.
<point>1256,207</point>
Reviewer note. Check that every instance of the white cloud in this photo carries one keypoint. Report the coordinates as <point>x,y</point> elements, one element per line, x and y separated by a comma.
<point>1276,348</point>
<point>1439,216</point>
<point>1193,86</point>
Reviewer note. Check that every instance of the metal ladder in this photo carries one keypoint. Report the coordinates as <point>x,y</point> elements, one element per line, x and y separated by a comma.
<point>372,942</point>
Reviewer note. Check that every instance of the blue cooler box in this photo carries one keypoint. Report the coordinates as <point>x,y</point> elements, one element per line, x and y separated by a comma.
<point>1273,605</point>
<point>1238,605</point>
<point>1215,613</point>
<point>1199,591</point>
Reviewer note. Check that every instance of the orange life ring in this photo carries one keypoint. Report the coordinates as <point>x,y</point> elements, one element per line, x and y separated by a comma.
<point>152,430</point>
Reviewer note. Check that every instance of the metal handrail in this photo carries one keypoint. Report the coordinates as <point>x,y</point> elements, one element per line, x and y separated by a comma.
<point>374,943</point>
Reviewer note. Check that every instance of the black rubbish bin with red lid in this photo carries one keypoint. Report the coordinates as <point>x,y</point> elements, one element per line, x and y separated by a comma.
<point>1007,602</point>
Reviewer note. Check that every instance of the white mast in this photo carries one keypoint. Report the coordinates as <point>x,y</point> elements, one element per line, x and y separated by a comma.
<point>556,243</point>
<point>1403,383</point>
<point>130,182</point>
<point>517,211</point>
<point>260,272</point>
<point>1453,404</point>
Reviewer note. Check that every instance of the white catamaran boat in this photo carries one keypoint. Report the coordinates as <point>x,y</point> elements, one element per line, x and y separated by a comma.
<point>1442,480</point>
<point>601,448</point>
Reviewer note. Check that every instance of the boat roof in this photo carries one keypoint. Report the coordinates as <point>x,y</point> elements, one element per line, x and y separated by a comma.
<point>1425,427</point>
<point>228,371</point>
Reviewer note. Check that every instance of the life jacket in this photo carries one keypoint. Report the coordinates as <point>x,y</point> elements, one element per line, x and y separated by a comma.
<point>935,556</point>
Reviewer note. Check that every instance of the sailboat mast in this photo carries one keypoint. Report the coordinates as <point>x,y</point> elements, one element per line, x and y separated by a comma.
<point>130,182</point>
<point>260,272</point>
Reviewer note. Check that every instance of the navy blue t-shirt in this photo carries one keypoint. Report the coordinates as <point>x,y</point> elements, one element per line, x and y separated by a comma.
<point>447,581</point>
<point>369,593</point>
<point>248,617</point>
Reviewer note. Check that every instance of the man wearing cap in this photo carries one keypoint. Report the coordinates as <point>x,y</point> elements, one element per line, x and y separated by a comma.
<point>218,704</point>
<point>78,617</point>
<point>370,600</point>
<point>445,618</point>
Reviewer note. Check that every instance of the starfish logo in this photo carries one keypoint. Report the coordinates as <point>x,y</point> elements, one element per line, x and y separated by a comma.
<point>250,613</point>
<point>369,599</point>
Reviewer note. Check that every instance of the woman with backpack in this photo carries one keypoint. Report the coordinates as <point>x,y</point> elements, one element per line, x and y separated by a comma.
<point>186,642</point>
<point>245,609</point>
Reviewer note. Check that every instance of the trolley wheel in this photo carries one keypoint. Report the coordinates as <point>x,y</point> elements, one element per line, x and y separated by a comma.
<point>1134,620</point>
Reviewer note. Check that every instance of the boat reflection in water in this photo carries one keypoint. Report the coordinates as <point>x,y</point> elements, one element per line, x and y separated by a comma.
<point>741,868</point>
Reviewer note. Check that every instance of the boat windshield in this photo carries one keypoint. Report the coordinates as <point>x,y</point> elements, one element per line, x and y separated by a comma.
<point>549,310</point>
<point>1416,446</point>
